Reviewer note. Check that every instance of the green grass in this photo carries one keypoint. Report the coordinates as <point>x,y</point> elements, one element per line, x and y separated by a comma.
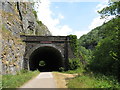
<point>93,81</point>
<point>15,81</point>
<point>78,70</point>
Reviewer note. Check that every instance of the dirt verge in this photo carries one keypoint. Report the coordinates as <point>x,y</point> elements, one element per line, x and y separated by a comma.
<point>61,79</point>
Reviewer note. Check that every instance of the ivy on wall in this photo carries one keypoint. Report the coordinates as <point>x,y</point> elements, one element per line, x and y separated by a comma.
<point>73,44</point>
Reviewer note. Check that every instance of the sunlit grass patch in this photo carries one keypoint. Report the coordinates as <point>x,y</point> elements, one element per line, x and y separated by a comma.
<point>78,71</point>
<point>15,81</point>
<point>93,81</point>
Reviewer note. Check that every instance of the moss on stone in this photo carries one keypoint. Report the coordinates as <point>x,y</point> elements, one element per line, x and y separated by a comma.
<point>9,16</point>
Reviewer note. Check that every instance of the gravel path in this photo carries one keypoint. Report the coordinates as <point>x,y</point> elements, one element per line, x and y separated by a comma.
<point>43,80</point>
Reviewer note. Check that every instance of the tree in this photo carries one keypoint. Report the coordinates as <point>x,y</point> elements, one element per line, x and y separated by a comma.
<point>112,9</point>
<point>106,57</point>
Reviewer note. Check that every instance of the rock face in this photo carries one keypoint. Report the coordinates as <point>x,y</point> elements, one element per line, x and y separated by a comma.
<point>17,19</point>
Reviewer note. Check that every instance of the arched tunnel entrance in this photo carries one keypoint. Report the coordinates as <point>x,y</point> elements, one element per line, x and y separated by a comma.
<point>46,59</point>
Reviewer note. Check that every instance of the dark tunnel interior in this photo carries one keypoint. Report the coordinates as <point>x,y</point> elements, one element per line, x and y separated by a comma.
<point>51,57</point>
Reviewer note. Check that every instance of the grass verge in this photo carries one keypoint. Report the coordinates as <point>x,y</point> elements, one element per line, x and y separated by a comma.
<point>15,81</point>
<point>78,71</point>
<point>93,81</point>
<point>59,79</point>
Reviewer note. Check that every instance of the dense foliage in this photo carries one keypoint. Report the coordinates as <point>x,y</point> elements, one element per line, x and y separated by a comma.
<point>103,43</point>
<point>106,54</point>
<point>98,54</point>
<point>90,40</point>
<point>74,63</point>
<point>112,9</point>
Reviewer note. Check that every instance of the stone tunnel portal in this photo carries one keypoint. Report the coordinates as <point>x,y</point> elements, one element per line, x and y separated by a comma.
<point>50,58</point>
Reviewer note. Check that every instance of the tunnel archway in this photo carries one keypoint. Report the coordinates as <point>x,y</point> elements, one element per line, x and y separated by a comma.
<point>51,57</point>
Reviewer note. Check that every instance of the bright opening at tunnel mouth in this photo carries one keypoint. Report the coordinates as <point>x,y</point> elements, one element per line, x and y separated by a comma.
<point>42,63</point>
<point>46,59</point>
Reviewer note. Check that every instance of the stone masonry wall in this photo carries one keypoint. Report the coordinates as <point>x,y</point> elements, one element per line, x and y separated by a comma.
<point>17,19</point>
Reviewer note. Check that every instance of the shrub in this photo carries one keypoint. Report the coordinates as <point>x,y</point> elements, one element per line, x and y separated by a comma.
<point>35,13</point>
<point>74,63</point>
<point>106,58</point>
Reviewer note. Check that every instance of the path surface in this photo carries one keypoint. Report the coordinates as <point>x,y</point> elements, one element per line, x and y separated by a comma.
<point>62,79</point>
<point>43,80</point>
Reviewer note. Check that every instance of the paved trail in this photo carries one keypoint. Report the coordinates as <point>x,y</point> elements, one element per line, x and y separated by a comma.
<point>43,80</point>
